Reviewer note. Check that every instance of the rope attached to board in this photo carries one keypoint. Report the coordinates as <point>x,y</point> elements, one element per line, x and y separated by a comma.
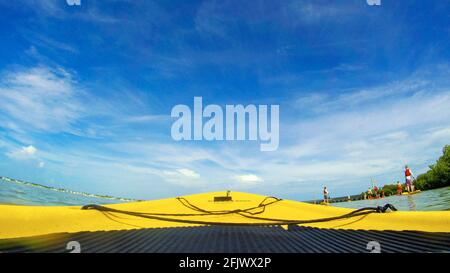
<point>247,213</point>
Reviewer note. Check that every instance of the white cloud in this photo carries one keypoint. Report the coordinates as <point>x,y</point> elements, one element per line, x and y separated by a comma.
<point>23,153</point>
<point>182,177</point>
<point>248,178</point>
<point>41,164</point>
<point>137,169</point>
<point>181,173</point>
<point>188,173</point>
<point>29,150</point>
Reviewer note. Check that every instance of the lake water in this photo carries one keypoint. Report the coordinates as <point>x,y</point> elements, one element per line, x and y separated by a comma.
<point>438,199</point>
<point>26,194</point>
<point>22,193</point>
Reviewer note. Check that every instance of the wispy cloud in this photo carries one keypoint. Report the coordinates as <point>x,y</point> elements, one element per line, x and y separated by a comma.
<point>147,118</point>
<point>211,20</point>
<point>59,9</point>
<point>308,12</point>
<point>52,44</point>
<point>40,99</point>
<point>349,99</point>
<point>50,99</point>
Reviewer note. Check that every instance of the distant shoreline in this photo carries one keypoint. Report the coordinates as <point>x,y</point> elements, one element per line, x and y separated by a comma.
<point>356,197</point>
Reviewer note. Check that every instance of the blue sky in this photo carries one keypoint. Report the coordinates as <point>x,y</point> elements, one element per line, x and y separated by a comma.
<point>86,93</point>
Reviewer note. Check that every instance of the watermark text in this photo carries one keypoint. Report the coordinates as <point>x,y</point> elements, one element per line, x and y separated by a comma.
<point>239,122</point>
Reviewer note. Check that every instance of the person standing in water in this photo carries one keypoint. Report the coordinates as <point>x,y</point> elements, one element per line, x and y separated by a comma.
<point>375,192</point>
<point>408,178</point>
<point>369,193</point>
<point>399,188</point>
<point>325,195</point>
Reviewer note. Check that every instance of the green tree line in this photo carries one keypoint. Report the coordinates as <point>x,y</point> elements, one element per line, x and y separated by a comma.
<point>437,176</point>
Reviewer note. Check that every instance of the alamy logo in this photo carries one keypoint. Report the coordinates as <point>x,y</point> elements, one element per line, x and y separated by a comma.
<point>74,246</point>
<point>233,127</point>
<point>373,247</point>
<point>73,2</point>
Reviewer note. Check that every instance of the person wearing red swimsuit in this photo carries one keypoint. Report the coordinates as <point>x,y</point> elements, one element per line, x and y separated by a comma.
<point>408,178</point>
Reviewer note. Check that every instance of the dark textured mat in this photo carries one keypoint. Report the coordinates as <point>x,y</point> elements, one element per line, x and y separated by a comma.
<point>233,239</point>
